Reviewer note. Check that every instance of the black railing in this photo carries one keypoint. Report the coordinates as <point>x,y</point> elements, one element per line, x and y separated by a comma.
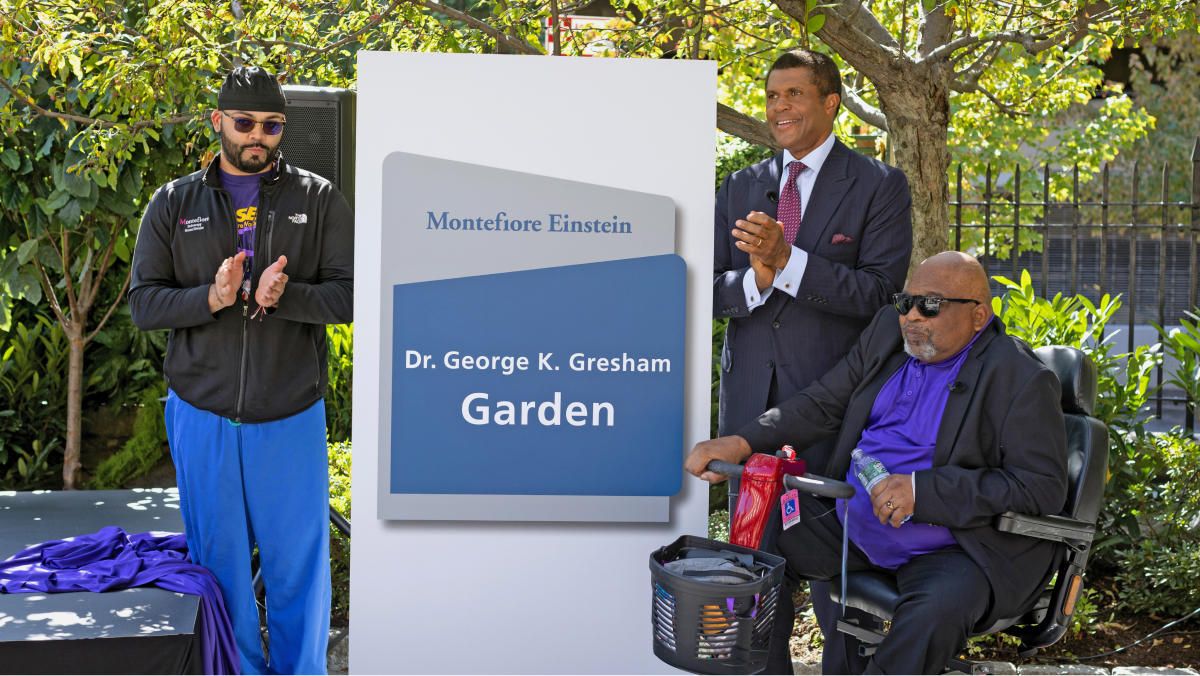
<point>1083,251</point>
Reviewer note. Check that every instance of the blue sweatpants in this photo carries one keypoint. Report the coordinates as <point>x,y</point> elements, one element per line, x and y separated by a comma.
<point>261,484</point>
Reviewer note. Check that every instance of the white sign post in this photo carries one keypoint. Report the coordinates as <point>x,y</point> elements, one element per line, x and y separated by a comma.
<point>563,594</point>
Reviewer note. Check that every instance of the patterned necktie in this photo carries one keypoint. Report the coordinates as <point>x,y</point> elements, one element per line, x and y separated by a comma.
<point>789,203</point>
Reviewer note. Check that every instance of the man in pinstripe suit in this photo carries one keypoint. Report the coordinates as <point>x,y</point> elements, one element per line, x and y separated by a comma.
<point>810,243</point>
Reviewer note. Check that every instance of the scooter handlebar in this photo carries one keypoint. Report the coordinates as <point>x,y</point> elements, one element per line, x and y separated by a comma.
<point>726,468</point>
<point>819,485</point>
<point>809,483</point>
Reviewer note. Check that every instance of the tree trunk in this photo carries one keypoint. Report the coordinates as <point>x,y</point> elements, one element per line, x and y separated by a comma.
<point>72,467</point>
<point>918,114</point>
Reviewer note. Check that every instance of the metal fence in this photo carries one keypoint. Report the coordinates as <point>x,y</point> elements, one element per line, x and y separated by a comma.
<point>1150,258</point>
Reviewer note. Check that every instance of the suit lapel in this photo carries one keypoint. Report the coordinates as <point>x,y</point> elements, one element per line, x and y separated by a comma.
<point>860,411</point>
<point>767,181</point>
<point>959,400</point>
<point>827,194</point>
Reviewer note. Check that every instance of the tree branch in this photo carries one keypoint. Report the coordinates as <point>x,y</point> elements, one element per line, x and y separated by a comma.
<point>42,112</point>
<point>100,271</point>
<point>112,307</point>
<point>863,110</point>
<point>855,33</point>
<point>471,21</point>
<point>1033,42</point>
<point>220,57</point>
<point>936,28</point>
<point>50,293</point>
<point>972,74</point>
<point>557,37</point>
<point>749,129</point>
<point>481,26</point>
<point>70,285</point>
<point>968,87</point>
<point>344,41</point>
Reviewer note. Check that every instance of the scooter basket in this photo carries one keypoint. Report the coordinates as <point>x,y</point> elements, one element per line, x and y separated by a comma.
<point>708,627</point>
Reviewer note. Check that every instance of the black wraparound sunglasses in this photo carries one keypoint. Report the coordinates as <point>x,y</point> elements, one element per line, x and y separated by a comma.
<point>245,125</point>
<point>927,306</point>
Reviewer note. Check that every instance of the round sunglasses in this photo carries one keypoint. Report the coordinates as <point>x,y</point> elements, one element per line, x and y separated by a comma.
<point>245,125</point>
<point>927,306</point>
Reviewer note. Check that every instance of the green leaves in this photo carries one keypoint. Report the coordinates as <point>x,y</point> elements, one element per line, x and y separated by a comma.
<point>74,182</point>
<point>26,251</point>
<point>11,159</point>
<point>1123,386</point>
<point>130,181</point>
<point>54,202</point>
<point>32,424</point>
<point>49,258</point>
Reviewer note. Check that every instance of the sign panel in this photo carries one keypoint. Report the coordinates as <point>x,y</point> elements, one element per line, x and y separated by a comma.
<point>538,523</point>
<point>522,380</point>
<point>529,404</point>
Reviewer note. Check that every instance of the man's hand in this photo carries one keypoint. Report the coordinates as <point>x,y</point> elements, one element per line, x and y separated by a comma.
<point>896,491</point>
<point>730,449</point>
<point>223,292</point>
<point>270,285</point>
<point>762,236</point>
<point>764,275</point>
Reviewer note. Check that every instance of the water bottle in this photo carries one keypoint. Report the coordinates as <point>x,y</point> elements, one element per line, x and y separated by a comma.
<point>868,469</point>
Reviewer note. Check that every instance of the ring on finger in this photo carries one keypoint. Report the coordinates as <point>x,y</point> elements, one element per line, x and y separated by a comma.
<point>889,504</point>
<point>760,241</point>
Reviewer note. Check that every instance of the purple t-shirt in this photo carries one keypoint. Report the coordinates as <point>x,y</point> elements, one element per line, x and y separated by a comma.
<point>244,190</point>
<point>901,433</point>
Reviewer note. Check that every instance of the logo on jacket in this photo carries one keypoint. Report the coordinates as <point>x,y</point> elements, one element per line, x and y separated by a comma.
<point>193,224</point>
<point>298,218</point>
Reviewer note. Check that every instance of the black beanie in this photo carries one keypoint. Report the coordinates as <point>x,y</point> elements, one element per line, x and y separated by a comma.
<point>250,88</point>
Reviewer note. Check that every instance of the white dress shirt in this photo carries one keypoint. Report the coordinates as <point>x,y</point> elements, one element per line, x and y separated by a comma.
<point>788,279</point>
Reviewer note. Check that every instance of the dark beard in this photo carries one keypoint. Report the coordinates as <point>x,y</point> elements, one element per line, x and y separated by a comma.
<point>232,153</point>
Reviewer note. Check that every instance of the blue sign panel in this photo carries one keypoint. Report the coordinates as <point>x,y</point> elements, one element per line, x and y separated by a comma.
<point>558,381</point>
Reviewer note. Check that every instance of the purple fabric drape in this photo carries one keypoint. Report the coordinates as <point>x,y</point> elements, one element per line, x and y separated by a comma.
<point>112,559</point>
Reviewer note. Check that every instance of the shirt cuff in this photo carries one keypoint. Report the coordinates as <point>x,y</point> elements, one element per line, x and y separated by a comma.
<point>788,279</point>
<point>750,288</point>
<point>913,476</point>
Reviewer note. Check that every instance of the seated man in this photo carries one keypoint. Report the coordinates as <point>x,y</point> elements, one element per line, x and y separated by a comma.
<point>970,425</point>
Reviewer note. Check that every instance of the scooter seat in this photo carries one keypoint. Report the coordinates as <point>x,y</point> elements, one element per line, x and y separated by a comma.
<point>875,593</point>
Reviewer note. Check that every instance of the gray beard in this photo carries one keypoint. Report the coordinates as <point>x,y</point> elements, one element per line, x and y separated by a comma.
<point>923,350</point>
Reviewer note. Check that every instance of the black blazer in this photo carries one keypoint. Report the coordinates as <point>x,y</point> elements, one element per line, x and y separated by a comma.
<point>798,340</point>
<point>1001,446</point>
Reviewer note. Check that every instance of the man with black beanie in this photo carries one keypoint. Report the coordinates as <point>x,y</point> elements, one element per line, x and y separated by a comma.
<point>246,365</point>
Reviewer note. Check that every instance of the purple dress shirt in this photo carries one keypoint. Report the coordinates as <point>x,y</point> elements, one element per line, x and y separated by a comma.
<point>901,433</point>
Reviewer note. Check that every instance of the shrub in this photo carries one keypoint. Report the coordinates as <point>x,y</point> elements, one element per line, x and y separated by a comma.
<point>718,525</point>
<point>734,154</point>
<point>339,546</point>
<point>341,381</point>
<point>143,450</point>
<point>1076,322</point>
<point>1183,344</point>
<point>1161,572</point>
<point>123,362</point>
<point>33,389</point>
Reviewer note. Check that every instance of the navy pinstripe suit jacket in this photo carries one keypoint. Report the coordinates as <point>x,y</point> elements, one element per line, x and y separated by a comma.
<point>799,339</point>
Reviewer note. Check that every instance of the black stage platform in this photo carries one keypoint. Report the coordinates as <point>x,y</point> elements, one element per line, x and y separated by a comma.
<point>145,630</point>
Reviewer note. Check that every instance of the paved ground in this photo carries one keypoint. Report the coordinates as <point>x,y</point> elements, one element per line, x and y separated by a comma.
<point>1008,668</point>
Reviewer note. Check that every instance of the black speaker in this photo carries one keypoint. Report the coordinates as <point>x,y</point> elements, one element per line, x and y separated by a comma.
<point>319,136</point>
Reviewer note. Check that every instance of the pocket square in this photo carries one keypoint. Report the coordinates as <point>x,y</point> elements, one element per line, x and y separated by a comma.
<point>841,239</point>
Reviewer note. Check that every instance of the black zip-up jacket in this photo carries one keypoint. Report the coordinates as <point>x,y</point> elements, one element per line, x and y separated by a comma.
<point>240,368</point>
